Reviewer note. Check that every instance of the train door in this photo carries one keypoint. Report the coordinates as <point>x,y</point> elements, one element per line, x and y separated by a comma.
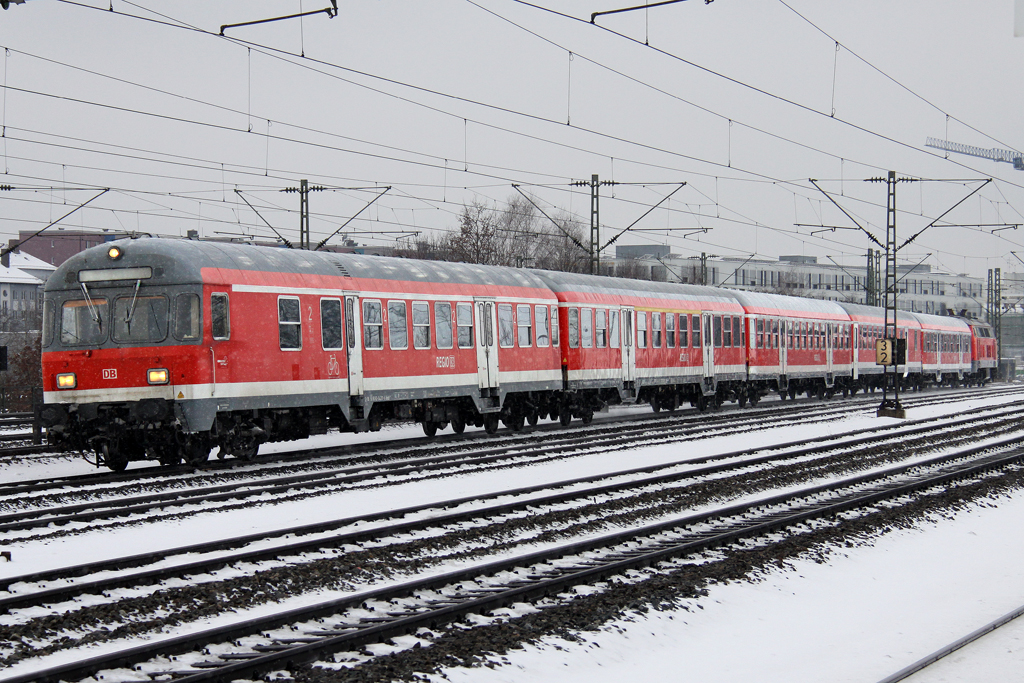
<point>709,349</point>
<point>220,350</point>
<point>830,342</point>
<point>628,348</point>
<point>354,345</point>
<point>783,347</point>
<point>487,344</point>
<point>855,347</point>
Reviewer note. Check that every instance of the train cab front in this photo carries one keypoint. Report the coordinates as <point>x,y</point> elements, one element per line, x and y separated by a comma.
<point>122,333</point>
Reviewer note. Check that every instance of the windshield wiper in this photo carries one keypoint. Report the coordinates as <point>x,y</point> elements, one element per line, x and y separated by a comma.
<point>93,309</point>
<point>131,309</point>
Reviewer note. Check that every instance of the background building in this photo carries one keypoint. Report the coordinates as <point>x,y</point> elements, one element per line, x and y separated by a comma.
<point>920,289</point>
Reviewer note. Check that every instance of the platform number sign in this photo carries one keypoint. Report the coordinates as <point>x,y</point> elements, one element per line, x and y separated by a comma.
<point>890,352</point>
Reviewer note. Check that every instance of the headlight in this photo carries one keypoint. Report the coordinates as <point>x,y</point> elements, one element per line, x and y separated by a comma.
<point>66,381</point>
<point>114,253</point>
<point>158,376</point>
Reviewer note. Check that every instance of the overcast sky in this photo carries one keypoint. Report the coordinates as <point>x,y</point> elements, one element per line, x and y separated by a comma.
<point>454,101</point>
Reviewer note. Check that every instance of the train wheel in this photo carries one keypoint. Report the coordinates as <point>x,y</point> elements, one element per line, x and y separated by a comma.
<point>113,457</point>
<point>170,456</point>
<point>792,393</point>
<point>515,422</point>
<point>564,416</point>
<point>741,400</point>
<point>491,423</point>
<point>819,392</point>
<point>702,403</point>
<point>429,428</point>
<point>754,398</point>
<point>246,450</point>
<point>587,417</point>
<point>196,451</point>
<point>458,425</point>
<point>655,403</point>
<point>532,419</point>
<point>675,403</point>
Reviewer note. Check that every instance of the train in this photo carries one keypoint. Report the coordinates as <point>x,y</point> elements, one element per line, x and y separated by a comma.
<point>164,349</point>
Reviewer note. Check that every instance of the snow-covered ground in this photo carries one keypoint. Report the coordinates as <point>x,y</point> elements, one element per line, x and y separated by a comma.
<point>865,614</point>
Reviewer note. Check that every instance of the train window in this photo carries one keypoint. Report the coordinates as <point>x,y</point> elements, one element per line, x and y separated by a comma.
<point>759,327</point>
<point>670,330</point>
<point>737,332</point>
<point>506,325</point>
<point>587,327</point>
<point>187,321</point>
<point>554,325</point>
<point>220,316</point>
<point>641,329</point>
<point>726,332</point>
<point>48,318</point>
<point>717,328</point>
<point>420,324</point>
<point>83,321</point>
<point>613,329</point>
<point>684,330</point>
<point>656,330</point>
<point>350,322</point>
<point>330,324</point>
<point>485,311</point>
<point>601,326</point>
<point>695,331</point>
<point>373,325</point>
<point>524,324</point>
<point>574,328</point>
<point>443,324</point>
<point>464,324</point>
<point>140,319</point>
<point>289,322</point>
<point>398,325</point>
<point>543,336</point>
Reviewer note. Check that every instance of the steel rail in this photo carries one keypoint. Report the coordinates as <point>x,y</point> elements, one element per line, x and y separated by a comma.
<point>289,458</point>
<point>210,564</point>
<point>588,570</point>
<point>121,507</point>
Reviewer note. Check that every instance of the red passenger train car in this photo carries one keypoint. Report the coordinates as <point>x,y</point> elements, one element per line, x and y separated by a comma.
<point>159,349</point>
<point>162,349</point>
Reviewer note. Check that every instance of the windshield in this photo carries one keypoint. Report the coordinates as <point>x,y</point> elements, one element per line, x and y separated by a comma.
<point>83,322</point>
<point>140,319</point>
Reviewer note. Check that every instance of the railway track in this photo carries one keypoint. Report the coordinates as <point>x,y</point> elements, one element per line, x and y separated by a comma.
<point>395,448</point>
<point>36,506</point>
<point>646,493</point>
<point>528,576</point>
<point>18,445</point>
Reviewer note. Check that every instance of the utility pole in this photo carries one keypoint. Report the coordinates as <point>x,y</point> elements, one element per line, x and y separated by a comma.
<point>897,346</point>
<point>304,189</point>
<point>892,350</point>
<point>870,293</point>
<point>995,308</point>
<point>595,220</point>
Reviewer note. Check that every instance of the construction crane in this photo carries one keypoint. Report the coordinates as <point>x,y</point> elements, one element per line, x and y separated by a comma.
<point>995,154</point>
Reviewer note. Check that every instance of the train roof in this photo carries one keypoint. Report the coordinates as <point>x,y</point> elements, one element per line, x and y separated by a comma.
<point>876,315</point>
<point>182,261</point>
<point>942,323</point>
<point>597,287</point>
<point>761,303</point>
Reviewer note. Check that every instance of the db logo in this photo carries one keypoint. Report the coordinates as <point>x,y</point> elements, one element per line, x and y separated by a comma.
<point>109,373</point>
